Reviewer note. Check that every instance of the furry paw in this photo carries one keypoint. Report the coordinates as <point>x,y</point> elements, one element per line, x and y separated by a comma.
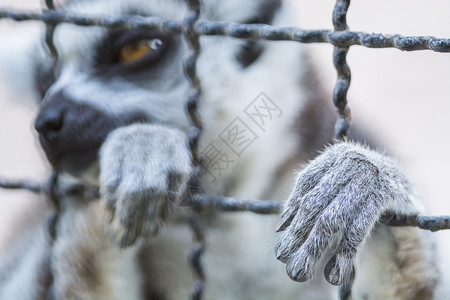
<point>143,169</point>
<point>337,200</point>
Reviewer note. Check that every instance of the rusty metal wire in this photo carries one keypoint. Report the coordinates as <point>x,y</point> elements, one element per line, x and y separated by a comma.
<point>423,222</point>
<point>196,221</point>
<point>53,181</point>
<point>191,28</point>
<point>340,90</point>
<point>230,204</point>
<point>243,31</point>
<point>32,186</point>
<point>344,76</point>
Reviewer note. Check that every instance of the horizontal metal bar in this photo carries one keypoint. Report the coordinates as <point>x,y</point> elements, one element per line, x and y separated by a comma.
<point>51,17</point>
<point>242,31</point>
<point>31,186</point>
<point>432,223</point>
<point>49,190</point>
<point>221,203</point>
<point>230,204</point>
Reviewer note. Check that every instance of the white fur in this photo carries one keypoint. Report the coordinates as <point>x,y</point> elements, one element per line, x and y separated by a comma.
<point>21,284</point>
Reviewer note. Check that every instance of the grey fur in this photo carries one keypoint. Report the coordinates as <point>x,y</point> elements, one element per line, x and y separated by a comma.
<point>143,169</point>
<point>338,198</point>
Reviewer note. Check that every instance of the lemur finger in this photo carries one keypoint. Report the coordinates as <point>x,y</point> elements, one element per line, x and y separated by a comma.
<point>131,202</point>
<point>158,210</point>
<point>306,180</point>
<point>340,265</point>
<point>302,264</point>
<point>330,224</point>
<point>129,218</point>
<point>311,206</point>
<point>108,197</point>
<point>110,174</point>
<point>175,184</point>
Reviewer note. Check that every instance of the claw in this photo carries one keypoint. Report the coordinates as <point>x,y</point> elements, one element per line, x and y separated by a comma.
<point>297,269</point>
<point>337,271</point>
<point>282,255</point>
<point>332,274</point>
<point>284,223</point>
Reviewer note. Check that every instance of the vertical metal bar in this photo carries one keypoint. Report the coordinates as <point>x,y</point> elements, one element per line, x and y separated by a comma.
<point>195,257</point>
<point>53,182</point>
<point>340,101</point>
<point>343,71</point>
<point>50,29</point>
<point>193,136</point>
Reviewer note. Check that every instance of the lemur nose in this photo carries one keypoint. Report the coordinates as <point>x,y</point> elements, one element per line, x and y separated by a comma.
<point>49,122</point>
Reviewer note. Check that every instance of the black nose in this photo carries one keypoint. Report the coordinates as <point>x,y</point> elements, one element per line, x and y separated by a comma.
<point>50,121</point>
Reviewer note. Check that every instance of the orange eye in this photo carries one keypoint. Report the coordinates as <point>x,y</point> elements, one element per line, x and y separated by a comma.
<point>137,50</point>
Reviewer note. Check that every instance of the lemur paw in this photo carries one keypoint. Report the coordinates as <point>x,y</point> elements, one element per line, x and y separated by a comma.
<point>142,173</point>
<point>337,200</point>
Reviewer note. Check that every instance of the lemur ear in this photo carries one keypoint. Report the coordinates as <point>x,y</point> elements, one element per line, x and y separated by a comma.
<point>18,59</point>
<point>252,50</point>
<point>266,12</point>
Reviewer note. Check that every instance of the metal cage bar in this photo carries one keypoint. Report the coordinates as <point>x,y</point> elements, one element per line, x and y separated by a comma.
<point>343,71</point>
<point>193,137</point>
<point>243,31</point>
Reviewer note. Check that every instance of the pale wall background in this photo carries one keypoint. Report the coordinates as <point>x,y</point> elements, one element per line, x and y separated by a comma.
<point>401,98</point>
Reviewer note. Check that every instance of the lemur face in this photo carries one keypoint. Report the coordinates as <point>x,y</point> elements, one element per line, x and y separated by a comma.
<point>106,78</point>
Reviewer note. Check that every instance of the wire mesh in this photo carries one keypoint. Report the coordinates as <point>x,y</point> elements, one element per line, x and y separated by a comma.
<point>192,29</point>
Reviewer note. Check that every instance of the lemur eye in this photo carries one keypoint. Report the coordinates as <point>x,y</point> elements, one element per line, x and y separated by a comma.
<point>139,49</point>
<point>134,50</point>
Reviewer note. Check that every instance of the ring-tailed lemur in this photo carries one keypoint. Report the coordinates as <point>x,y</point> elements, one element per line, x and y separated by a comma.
<point>112,116</point>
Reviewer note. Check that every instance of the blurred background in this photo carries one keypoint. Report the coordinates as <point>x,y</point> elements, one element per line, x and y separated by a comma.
<point>402,98</point>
